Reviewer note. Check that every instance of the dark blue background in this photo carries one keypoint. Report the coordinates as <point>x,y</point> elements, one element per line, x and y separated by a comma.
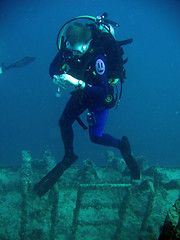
<point>149,112</point>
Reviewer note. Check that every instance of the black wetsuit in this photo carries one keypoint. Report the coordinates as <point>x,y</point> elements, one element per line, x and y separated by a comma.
<point>92,69</point>
<point>92,97</point>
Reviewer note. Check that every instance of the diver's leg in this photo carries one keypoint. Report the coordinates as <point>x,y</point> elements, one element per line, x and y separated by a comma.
<point>72,110</point>
<point>97,136</point>
<point>96,130</point>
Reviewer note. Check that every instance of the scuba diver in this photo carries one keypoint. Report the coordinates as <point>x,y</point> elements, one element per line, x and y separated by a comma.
<point>88,59</point>
<point>20,63</point>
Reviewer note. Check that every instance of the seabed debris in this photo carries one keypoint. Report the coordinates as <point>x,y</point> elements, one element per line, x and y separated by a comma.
<point>90,202</point>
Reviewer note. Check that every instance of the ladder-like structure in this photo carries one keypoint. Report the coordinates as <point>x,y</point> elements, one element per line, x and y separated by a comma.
<point>102,211</point>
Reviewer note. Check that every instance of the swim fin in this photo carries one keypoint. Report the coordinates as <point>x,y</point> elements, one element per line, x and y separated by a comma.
<point>125,150</point>
<point>53,176</point>
<point>20,63</point>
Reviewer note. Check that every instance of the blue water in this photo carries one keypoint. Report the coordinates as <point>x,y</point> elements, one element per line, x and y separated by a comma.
<point>149,112</point>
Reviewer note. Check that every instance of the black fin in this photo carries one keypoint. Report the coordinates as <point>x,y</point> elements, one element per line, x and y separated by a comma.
<point>48,181</point>
<point>125,150</point>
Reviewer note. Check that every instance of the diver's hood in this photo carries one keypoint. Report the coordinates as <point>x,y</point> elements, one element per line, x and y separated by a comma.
<point>101,21</point>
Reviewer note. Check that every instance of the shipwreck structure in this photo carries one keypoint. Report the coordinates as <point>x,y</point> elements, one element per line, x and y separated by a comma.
<point>89,202</point>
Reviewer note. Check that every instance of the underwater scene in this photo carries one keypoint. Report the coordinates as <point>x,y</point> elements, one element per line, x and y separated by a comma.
<point>90,120</point>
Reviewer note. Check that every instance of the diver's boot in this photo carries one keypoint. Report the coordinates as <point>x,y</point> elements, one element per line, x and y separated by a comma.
<point>53,176</point>
<point>125,150</point>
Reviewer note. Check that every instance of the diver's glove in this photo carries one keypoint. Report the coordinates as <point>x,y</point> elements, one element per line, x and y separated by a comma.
<point>63,78</point>
<point>59,82</point>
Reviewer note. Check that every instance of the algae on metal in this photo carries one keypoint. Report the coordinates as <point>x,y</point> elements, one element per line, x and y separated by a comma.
<point>89,202</point>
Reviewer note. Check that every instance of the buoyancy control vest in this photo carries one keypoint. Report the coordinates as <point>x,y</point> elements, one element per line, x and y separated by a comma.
<point>103,42</point>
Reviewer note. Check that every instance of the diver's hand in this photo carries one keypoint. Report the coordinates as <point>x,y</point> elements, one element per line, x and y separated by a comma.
<point>57,79</point>
<point>75,82</point>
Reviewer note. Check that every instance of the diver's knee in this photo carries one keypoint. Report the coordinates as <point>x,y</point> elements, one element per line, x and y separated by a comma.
<point>64,123</point>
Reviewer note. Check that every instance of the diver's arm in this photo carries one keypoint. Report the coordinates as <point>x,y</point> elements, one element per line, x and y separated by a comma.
<point>60,80</point>
<point>98,92</point>
<point>55,66</point>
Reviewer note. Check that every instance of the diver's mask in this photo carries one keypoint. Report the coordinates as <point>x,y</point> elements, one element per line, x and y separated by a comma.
<point>79,48</point>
